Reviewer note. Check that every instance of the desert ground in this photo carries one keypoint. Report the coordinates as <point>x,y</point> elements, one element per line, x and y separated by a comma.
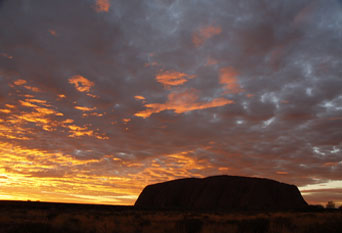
<point>39,217</point>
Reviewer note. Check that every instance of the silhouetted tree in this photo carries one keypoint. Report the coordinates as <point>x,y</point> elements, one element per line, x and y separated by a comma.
<point>315,207</point>
<point>330,205</point>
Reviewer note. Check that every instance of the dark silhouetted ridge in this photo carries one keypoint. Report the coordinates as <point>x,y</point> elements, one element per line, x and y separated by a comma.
<point>221,193</point>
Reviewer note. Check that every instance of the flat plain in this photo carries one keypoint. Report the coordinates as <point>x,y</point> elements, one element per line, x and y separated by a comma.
<point>40,217</point>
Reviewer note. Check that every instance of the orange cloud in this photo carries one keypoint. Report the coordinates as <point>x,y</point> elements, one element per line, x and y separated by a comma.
<point>173,166</point>
<point>85,109</point>
<point>205,33</point>
<point>58,176</point>
<point>181,102</point>
<point>282,173</point>
<point>126,120</point>
<point>102,5</point>
<point>330,164</point>
<point>20,82</point>
<point>224,169</point>
<point>37,101</point>
<point>96,114</point>
<point>40,116</point>
<point>62,96</point>
<point>151,64</point>
<point>211,62</point>
<point>81,83</point>
<point>44,115</point>
<point>28,96</point>
<point>47,111</point>
<point>77,131</point>
<point>138,97</point>
<point>12,133</point>
<point>52,32</point>
<point>9,106</point>
<point>172,78</point>
<point>34,89</point>
<point>5,110</point>
<point>34,117</point>
<point>32,103</point>
<point>6,55</point>
<point>91,95</point>
<point>27,104</point>
<point>229,80</point>
<point>40,113</point>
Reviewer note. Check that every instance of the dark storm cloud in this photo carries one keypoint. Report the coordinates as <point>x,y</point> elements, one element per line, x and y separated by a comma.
<point>278,61</point>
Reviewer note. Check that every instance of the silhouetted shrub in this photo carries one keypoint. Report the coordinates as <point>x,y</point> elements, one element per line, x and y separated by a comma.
<point>257,225</point>
<point>51,215</point>
<point>31,228</point>
<point>57,220</point>
<point>330,205</point>
<point>333,226</point>
<point>315,208</point>
<point>284,223</point>
<point>189,225</point>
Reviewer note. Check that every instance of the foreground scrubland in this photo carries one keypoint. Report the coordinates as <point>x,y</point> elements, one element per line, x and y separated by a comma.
<point>53,218</point>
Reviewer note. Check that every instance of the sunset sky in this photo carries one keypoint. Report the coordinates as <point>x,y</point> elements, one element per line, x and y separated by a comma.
<point>99,98</point>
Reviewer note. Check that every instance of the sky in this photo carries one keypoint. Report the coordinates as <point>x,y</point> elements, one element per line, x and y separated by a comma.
<point>99,98</point>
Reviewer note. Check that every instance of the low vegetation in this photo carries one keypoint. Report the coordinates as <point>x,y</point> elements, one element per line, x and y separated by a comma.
<point>53,218</point>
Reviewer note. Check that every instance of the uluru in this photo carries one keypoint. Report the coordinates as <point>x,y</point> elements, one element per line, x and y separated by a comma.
<point>221,193</point>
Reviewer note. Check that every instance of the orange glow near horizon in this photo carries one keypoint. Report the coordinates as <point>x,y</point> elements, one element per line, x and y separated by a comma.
<point>44,172</point>
<point>31,174</point>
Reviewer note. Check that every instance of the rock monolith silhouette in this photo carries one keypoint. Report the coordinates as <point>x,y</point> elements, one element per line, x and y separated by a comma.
<point>221,193</point>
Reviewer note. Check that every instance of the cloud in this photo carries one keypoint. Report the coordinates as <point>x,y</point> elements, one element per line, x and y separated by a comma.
<point>20,82</point>
<point>52,32</point>
<point>6,55</point>
<point>205,33</point>
<point>126,120</point>
<point>41,167</point>
<point>173,166</point>
<point>81,83</point>
<point>62,96</point>
<point>85,109</point>
<point>34,89</point>
<point>180,102</point>
<point>172,78</point>
<point>249,89</point>
<point>139,97</point>
<point>102,5</point>
<point>77,131</point>
<point>5,110</point>
<point>229,80</point>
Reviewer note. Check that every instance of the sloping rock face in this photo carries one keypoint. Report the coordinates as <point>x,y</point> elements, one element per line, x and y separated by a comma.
<point>221,193</point>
